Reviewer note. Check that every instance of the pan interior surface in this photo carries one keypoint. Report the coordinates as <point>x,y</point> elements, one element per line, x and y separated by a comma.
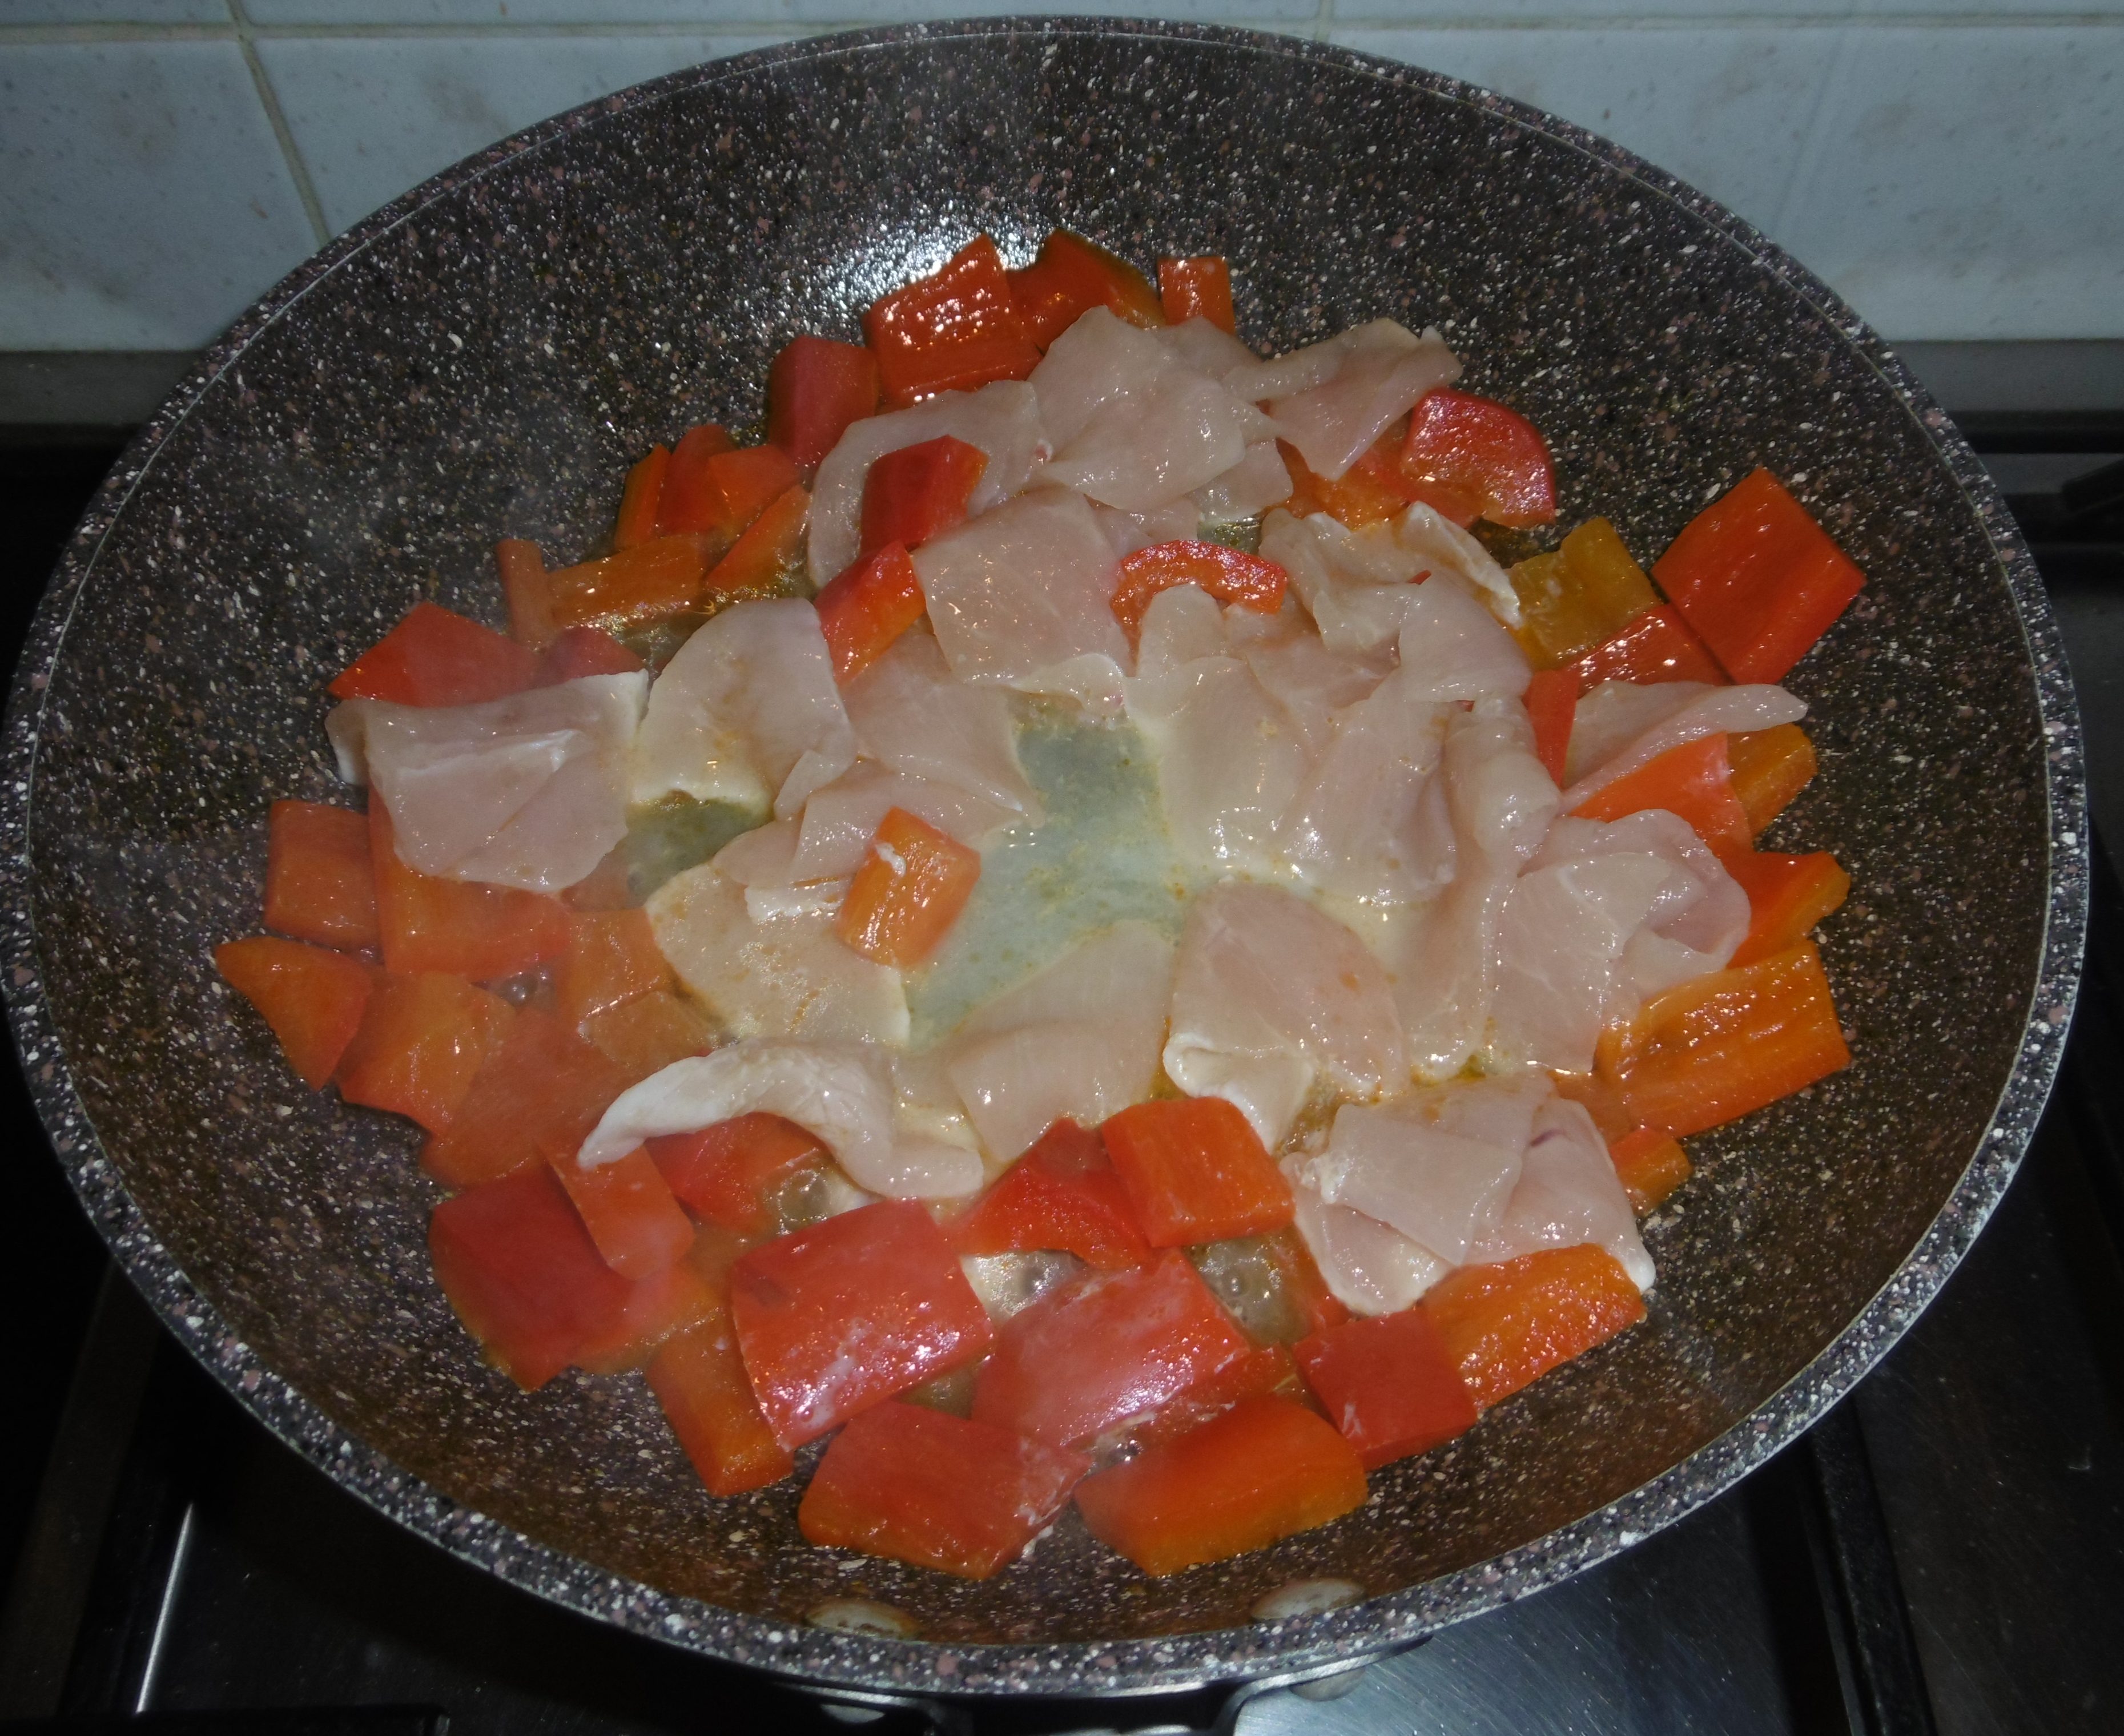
<point>488,357</point>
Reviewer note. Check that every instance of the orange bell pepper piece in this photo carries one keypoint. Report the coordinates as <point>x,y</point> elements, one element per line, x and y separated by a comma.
<point>1389,1384</point>
<point>913,882</point>
<point>1770,767</point>
<point>1371,490</point>
<point>815,388</point>
<point>540,1083</point>
<point>421,1041</point>
<point>464,928</point>
<point>956,329</point>
<point>319,885</point>
<point>919,492</point>
<point>1071,276</point>
<point>658,1308</point>
<point>523,570</point>
<point>1692,781</point>
<point>1551,705</point>
<point>1479,449</point>
<point>1199,287</point>
<point>865,610</point>
<point>434,657</point>
<point>647,582</point>
<point>1787,896</point>
<point>313,999</point>
<point>639,1227</point>
<point>772,546</point>
<point>699,1380</point>
<point>1229,574</point>
<point>578,651</point>
<point>916,1485</point>
<point>1062,1195</point>
<point>1265,1469</point>
<point>612,956</point>
<point>1506,1325</point>
<point>1657,646</point>
<point>718,494</point>
<point>646,1035</point>
<point>1196,1171</point>
<point>641,502</point>
<point>1264,1370</point>
<point>1650,1165</point>
<point>722,1172</point>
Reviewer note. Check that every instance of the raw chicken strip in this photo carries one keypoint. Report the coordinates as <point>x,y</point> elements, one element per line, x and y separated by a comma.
<point>1502,797</point>
<point>911,714</point>
<point>1228,760</point>
<point>1205,348</point>
<point>747,710</point>
<point>1444,547</point>
<point>1271,996</point>
<point>1701,914</point>
<point>1568,1194</point>
<point>791,977</point>
<point>1311,682</point>
<point>1176,521</point>
<point>1002,419</point>
<point>1437,1165</point>
<point>1019,596</point>
<point>1181,625</point>
<point>763,861</point>
<point>1452,647</point>
<point>1445,969</point>
<point>1370,1268</point>
<point>1710,711</point>
<point>528,790</point>
<point>1079,1038</point>
<point>1259,480</point>
<point>1382,370</point>
<point>1353,584</point>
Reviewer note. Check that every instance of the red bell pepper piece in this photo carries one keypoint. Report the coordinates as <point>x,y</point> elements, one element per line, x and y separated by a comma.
<point>956,329</point>
<point>1071,276</point>
<point>523,570</point>
<point>1265,1469</point>
<point>866,609</point>
<point>1479,449</point>
<point>524,1275</point>
<point>913,882</point>
<point>612,956</point>
<point>542,1083</point>
<point>1506,1325</point>
<point>815,388</point>
<point>919,492</point>
<point>1370,491</point>
<point>722,1172</point>
<point>578,651</point>
<point>1711,1049</point>
<point>694,499</point>
<point>457,927</point>
<point>1787,896</point>
<point>658,1308</point>
<point>920,1485</point>
<point>723,492</point>
<point>1657,646</point>
<point>319,885</point>
<point>1197,288</point>
<point>421,1041</point>
<point>1757,578</point>
<point>841,1316</point>
<point>1389,1384</point>
<point>1303,1286</point>
<point>1770,767</point>
<point>641,502</point>
<point>1196,1171</point>
<point>1229,574</point>
<point>1692,781</point>
<point>700,1380</point>
<point>646,1035</point>
<point>436,658</point>
<point>1264,1371</point>
<point>637,1226</point>
<point>313,999</point>
<point>648,582</point>
<point>772,547</point>
<point>1552,705</point>
<point>1062,1195</point>
<point>1650,1165</point>
<point>1115,1346</point>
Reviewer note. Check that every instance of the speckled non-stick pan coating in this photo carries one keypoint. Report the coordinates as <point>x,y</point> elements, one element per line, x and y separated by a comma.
<point>487,356</point>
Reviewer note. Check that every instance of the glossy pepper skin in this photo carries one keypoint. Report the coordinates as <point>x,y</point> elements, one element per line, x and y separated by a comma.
<point>1062,1195</point>
<point>904,898</point>
<point>699,1380</point>
<point>1506,1325</point>
<point>722,1172</point>
<point>865,610</point>
<point>815,389</point>
<point>957,329</point>
<point>434,657</point>
<point>1650,1165</point>
<point>1476,451</point>
<point>1069,278</point>
<point>1694,781</point>
<point>919,492</point>
<point>319,884</point>
<point>1196,1171</point>
<point>1579,596</point>
<point>1231,575</point>
<point>421,1041</point>
<point>1199,287</point>
<point>540,1085</point>
<point>1389,1383</point>
<point>1657,646</point>
<point>311,998</point>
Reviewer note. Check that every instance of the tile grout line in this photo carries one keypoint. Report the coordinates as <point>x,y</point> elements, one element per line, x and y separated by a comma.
<point>1812,147</point>
<point>298,169</point>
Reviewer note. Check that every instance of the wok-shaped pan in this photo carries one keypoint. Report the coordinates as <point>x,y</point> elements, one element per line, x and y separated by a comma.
<point>486,355</point>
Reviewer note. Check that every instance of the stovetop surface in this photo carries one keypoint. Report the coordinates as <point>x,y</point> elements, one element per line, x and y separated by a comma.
<point>1944,1552</point>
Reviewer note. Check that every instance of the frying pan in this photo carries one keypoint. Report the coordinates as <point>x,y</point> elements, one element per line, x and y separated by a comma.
<point>487,355</point>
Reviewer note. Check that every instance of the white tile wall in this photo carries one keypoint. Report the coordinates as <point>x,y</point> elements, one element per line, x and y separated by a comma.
<point>1953,166</point>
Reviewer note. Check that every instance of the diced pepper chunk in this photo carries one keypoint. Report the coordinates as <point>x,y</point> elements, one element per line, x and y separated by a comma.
<point>772,546</point>
<point>605,887</point>
<point>648,582</point>
<point>1551,706</point>
<point>1115,1346</point>
<point>1478,446</point>
<point>918,1485</point>
<point>540,1083</point>
<point>524,1275</point>
<point>530,599</point>
<point>1579,596</point>
<point>694,499</point>
<point>421,1042</point>
<point>637,1226</point>
<point>865,610</point>
<point>1063,1195</point>
<point>1650,1165</point>
<point>1265,1469</point>
<point>815,389</point>
<point>1770,767</point>
<point>913,882</point>
<point>1657,646</point>
<point>641,502</point>
<point>1717,1047</point>
<point>667,1303</point>
<point>1305,1289</point>
<point>919,492</point>
<point>1506,1325</point>
<point>722,1172</point>
<point>461,927</point>
<point>718,494</point>
<point>646,1035</point>
<point>1692,781</point>
<point>841,1316</point>
<point>1757,578</point>
<point>1071,276</point>
<point>577,651</point>
<point>1231,575</point>
<point>611,957</point>
<point>1265,1370</point>
<point>700,1380</point>
<point>1787,896</point>
<point>319,885</point>
<point>434,657</point>
<point>1199,287</point>
<point>1370,491</point>
<point>313,999</point>
<point>954,329</point>
<point>1196,1171</point>
<point>1389,1384</point>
